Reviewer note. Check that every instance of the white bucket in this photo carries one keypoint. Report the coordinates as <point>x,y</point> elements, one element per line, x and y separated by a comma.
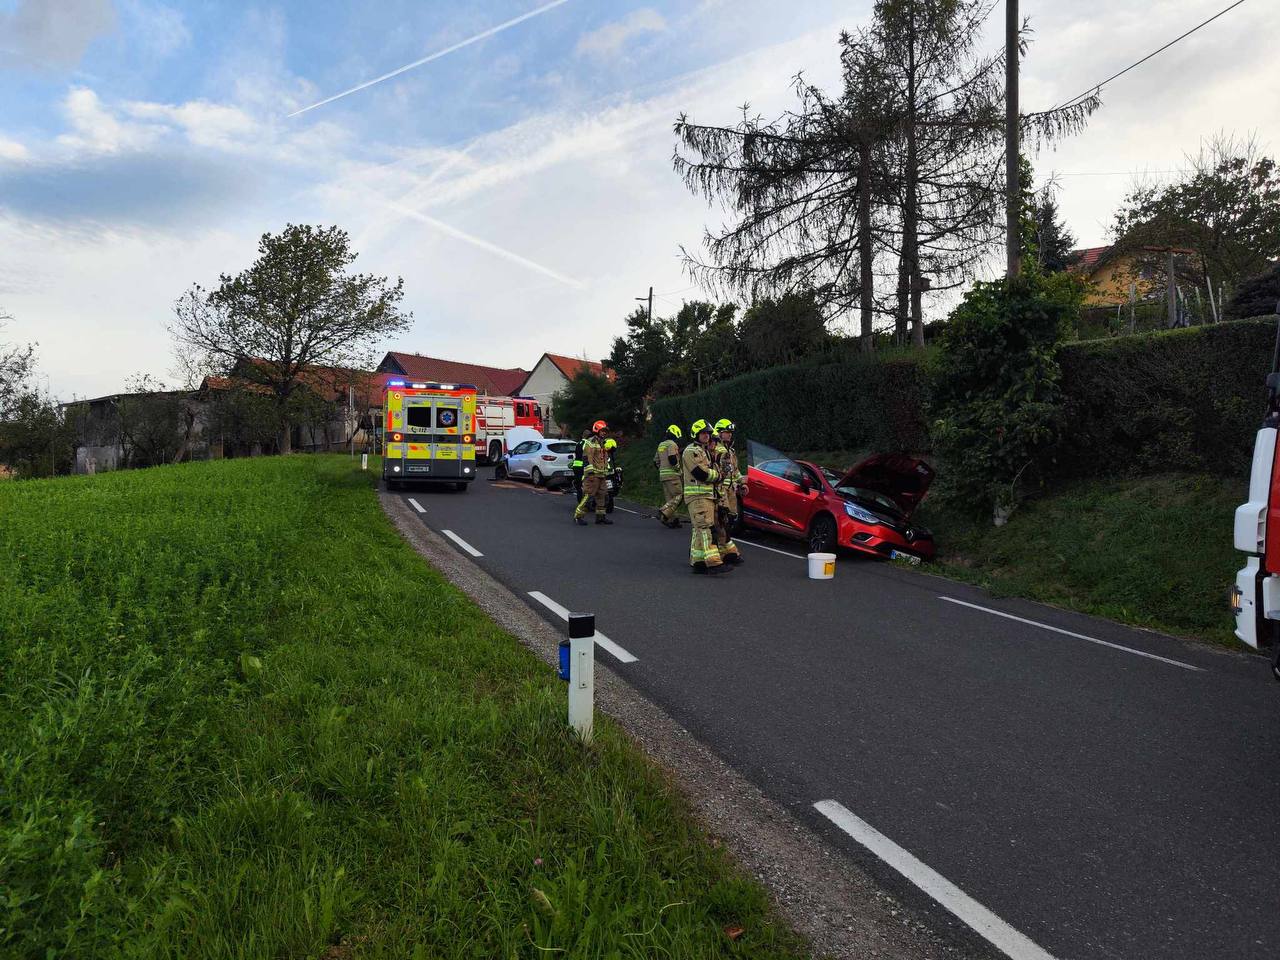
<point>822,566</point>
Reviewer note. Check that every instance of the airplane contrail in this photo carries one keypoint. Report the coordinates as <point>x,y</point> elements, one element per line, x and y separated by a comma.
<point>482,244</point>
<point>484,35</point>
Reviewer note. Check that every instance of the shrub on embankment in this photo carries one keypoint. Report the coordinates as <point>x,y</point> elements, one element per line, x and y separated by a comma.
<point>240,717</point>
<point>1173,400</point>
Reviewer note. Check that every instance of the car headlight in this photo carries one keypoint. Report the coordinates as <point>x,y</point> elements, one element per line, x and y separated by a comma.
<point>395,469</point>
<point>466,469</point>
<point>861,515</point>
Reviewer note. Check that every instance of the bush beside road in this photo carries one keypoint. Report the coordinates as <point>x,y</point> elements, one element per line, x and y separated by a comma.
<point>239,716</point>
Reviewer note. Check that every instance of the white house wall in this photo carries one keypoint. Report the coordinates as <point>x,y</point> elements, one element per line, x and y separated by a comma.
<point>545,380</point>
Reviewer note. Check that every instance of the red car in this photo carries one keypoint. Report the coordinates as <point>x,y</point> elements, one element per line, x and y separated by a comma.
<point>868,508</point>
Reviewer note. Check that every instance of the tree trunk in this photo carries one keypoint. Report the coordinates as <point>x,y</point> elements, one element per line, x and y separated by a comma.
<point>911,212</point>
<point>866,255</point>
<point>901,316</point>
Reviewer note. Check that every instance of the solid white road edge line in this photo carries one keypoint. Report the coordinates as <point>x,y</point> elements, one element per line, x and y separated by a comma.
<point>600,638</point>
<point>462,543</point>
<point>982,921</point>
<point>752,543</point>
<point>416,505</point>
<point>1078,636</point>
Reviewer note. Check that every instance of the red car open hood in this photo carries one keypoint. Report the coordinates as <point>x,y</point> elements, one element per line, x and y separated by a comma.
<point>903,479</point>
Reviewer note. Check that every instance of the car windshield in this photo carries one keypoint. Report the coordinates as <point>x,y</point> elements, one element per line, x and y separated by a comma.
<point>560,447</point>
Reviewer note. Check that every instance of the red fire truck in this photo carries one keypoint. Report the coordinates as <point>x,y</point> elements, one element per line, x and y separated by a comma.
<point>1255,596</point>
<point>495,416</point>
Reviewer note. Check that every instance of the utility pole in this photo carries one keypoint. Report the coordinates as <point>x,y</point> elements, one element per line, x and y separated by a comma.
<point>641,299</point>
<point>1172,292</point>
<point>1012,213</point>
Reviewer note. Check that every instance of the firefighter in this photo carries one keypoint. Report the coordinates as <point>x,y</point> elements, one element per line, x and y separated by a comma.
<point>595,468</point>
<point>699,495</point>
<point>730,485</point>
<point>577,466</point>
<point>667,460</point>
<point>615,468</point>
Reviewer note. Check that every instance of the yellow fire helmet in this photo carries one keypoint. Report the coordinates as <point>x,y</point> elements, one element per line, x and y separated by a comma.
<point>699,426</point>
<point>724,424</point>
<point>611,444</point>
<point>675,431</point>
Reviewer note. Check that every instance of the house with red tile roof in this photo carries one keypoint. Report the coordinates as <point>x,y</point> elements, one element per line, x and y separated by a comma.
<point>1117,274</point>
<point>552,373</point>
<point>495,381</point>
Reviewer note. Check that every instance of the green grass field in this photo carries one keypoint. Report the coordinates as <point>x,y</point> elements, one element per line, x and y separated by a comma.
<point>1149,551</point>
<point>240,718</point>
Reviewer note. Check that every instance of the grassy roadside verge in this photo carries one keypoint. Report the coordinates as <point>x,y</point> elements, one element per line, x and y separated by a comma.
<point>239,717</point>
<point>1152,551</point>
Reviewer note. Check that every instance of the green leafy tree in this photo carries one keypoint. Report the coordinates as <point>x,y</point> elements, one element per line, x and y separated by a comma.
<point>586,399</point>
<point>1257,296</point>
<point>17,364</point>
<point>297,307</point>
<point>638,359</point>
<point>994,395</point>
<point>1225,209</point>
<point>786,330</point>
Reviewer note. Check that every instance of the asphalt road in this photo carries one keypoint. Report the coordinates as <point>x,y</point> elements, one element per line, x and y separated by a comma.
<point>1101,792</point>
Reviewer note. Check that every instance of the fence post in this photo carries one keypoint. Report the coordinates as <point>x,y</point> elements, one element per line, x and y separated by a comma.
<point>582,672</point>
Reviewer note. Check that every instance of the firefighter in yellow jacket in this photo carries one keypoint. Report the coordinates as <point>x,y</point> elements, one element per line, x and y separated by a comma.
<point>667,460</point>
<point>699,494</point>
<point>595,471</point>
<point>730,484</point>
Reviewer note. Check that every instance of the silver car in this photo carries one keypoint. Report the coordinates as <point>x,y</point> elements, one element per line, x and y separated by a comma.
<point>542,461</point>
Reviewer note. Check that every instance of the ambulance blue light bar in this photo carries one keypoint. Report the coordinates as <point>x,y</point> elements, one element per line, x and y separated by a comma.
<point>395,383</point>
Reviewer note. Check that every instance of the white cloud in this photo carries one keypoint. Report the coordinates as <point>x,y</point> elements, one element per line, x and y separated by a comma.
<point>609,40</point>
<point>13,150</point>
<point>205,124</point>
<point>97,129</point>
<point>52,33</point>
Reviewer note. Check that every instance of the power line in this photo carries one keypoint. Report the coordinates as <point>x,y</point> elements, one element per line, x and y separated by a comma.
<point>1076,99</point>
<point>1115,173</point>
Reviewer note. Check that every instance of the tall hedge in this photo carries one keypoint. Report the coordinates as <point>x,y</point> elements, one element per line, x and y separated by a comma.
<point>1186,399</point>
<point>865,403</point>
<point>1172,400</point>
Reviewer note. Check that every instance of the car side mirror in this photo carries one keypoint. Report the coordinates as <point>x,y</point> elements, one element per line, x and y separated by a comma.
<point>805,485</point>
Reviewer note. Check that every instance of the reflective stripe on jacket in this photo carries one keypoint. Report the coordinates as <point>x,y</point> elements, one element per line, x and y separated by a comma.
<point>595,456</point>
<point>695,457</point>
<point>666,450</point>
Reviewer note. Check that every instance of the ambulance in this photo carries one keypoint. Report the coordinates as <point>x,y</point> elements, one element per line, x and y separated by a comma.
<point>429,434</point>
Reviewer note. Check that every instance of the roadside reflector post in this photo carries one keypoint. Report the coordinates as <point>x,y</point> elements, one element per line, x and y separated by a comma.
<point>364,461</point>
<point>582,672</point>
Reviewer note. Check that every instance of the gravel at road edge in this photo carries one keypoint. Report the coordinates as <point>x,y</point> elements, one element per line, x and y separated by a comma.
<point>818,890</point>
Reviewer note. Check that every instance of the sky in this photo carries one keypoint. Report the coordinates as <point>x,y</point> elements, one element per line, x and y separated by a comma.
<point>519,179</point>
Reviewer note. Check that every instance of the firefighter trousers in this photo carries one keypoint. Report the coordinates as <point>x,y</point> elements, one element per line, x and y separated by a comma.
<point>702,543</point>
<point>723,521</point>
<point>673,491</point>
<point>593,485</point>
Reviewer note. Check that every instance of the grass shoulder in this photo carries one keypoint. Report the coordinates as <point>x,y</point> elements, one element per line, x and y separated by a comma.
<point>241,717</point>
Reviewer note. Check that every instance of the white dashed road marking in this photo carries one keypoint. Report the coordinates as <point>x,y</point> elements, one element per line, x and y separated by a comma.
<point>462,543</point>
<point>1012,943</point>
<point>416,505</point>
<point>600,638</point>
